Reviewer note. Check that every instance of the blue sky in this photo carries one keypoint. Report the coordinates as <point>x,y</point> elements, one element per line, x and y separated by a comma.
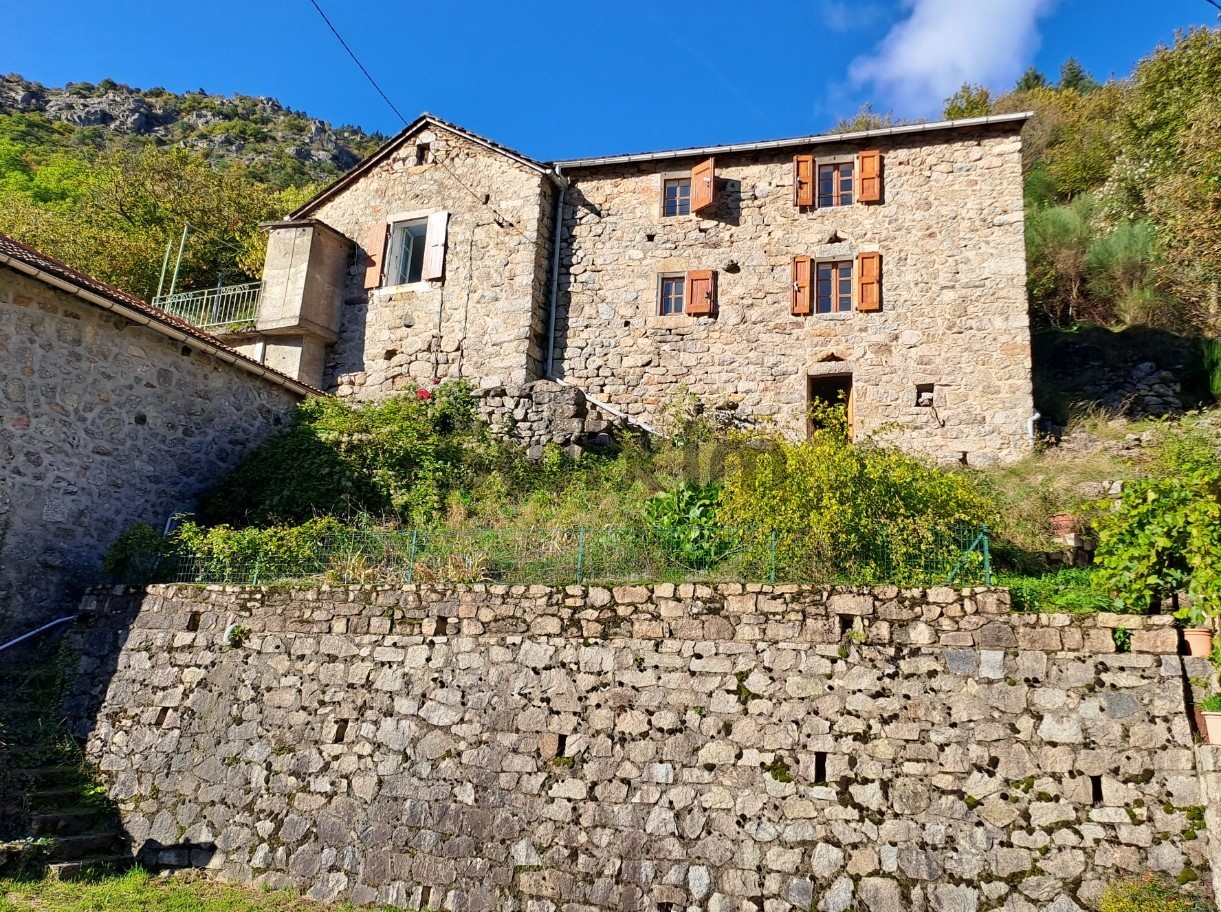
<point>566,79</point>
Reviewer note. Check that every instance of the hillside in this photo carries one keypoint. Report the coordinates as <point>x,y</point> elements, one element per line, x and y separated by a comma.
<point>276,145</point>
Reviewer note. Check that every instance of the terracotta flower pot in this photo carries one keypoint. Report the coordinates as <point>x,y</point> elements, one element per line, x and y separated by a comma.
<point>1063,524</point>
<point>1199,641</point>
<point>1212,727</point>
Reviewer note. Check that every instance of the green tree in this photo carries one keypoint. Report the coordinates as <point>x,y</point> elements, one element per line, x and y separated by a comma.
<point>1074,78</point>
<point>969,101</point>
<point>1030,80</point>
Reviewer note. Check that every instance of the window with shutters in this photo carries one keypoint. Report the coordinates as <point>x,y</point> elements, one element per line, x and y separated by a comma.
<point>835,183</point>
<point>405,254</point>
<point>676,196</point>
<point>833,288</point>
<point>672,293</point>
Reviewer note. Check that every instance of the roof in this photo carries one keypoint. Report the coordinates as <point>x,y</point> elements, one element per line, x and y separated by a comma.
<point>395,142</point>
<point>59,275</point>
<point>798,141</point>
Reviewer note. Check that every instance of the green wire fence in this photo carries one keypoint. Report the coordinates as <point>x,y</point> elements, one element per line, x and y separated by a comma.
<point>868,556</point>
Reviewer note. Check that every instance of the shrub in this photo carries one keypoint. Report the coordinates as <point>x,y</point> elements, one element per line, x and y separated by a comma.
<point>225,553</point>
<point>882,513</point>
<point>686,522</point>
<point>1071,591</point>
<point>135,557</point>
<point>1212,364</point>
<point>1164,537</point>
<point>1152,894</point>
<point>399,457</point>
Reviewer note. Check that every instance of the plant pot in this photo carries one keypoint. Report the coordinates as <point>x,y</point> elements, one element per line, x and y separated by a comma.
<point>1064,524</point>
<point>1211,728</point>
<point>1199,641</point>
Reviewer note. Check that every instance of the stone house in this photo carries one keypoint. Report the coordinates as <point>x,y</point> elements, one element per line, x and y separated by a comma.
<point>111,412</point>
<point>883,269</point>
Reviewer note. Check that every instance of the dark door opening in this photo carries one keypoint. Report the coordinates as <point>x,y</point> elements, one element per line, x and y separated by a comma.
<point>834,389</point>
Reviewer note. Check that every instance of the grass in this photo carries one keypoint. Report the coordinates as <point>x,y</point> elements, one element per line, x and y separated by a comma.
<point>139,891</point>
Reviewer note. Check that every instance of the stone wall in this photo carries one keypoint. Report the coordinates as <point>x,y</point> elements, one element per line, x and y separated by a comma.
<point>722,748</point>
<point>102,423</point>
<point>485,322</point>
<point>543,412</point>
<point>953,314</point>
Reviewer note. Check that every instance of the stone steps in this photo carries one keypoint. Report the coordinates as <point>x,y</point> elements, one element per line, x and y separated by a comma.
<point>46,790</point>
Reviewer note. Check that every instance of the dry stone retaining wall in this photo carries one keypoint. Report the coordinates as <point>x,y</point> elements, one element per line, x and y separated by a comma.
<point>645,747</point>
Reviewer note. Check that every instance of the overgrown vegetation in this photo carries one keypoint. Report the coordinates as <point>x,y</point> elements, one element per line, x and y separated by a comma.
<point>1153,893</point>
<point>140,891</point>
<point>1122,208</point>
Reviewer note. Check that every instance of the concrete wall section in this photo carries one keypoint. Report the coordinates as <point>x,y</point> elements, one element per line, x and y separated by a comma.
<point>102,423</point>
<point>730,748</point>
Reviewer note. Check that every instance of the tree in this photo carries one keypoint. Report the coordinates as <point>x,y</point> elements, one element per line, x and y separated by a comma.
<point>867,119</point>
<point>1031,79</point>
<point>1074,78</point>
<point>968,101</point>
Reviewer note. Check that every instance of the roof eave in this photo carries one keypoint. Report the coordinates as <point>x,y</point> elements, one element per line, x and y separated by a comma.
<point>798,141</point>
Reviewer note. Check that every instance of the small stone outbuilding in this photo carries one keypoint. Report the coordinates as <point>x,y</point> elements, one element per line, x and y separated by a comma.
<point>111,412</point>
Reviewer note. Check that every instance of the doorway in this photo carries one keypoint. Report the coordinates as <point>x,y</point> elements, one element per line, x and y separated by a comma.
<point>829,390</point>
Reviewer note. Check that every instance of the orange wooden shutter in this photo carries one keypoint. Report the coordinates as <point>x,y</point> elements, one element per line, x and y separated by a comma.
<point>434,247</point>
<point>703,186</point>
<point>870,169</point>
<point>869,282</point>
<point>803,180</point>
<point>376,251</point>
<point>701,292</point>
<point>802,269</point>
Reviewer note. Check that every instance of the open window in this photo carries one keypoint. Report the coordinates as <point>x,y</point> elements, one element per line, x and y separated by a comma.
<point>407,251</point>
<point>828,392</point>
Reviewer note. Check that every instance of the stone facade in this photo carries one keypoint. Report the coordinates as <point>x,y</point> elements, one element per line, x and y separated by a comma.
<point>103,423</point>
<point>942,369</point>
<point>706,748</point>
<point>485,320</point>
<point>543,412</point>
<point>950,233</point>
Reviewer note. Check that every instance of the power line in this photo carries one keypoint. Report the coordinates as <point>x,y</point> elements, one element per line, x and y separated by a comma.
<point>356,59</point>
<point>1214,3</point>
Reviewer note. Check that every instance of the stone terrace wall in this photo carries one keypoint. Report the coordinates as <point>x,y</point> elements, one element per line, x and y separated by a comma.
<point>727,748</point>
<point>543,412</point>
<point>102,423</point>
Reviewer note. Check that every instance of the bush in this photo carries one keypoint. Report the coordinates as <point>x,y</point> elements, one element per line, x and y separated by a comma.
<point>1152,894</point>
<point>686,521</point>
<point>136,556</point>
<point>873,511</point>
<point>1071,591</point>
<point>1164,537</point>
<point>224,553</point>
<point>398,458</point>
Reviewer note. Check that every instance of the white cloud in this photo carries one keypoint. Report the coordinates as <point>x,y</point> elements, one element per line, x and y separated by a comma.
<point>842,16</point>
<point>941,44</point>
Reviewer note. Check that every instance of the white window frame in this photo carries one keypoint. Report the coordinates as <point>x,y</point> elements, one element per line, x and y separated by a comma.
<point>411,215</point>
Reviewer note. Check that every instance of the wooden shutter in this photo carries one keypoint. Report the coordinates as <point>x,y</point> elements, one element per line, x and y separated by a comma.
<point>434,247</point>
<point>701,292</point>
<point>703,186</point>
<point>869,167</point>
<point>869,282</point>
<point>375,251</point>
<point>803,268</point>
<point>803,180</point>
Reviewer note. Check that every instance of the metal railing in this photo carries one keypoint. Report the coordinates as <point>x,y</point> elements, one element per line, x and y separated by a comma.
<point>870,556</point>
<point>229,307</point>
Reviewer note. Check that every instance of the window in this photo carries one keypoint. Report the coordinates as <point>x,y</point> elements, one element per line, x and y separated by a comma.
<point>676,196</point>
<point>673,293</point>
<point>833,293</point>
<point>405,256</point>
<point>835,184</point>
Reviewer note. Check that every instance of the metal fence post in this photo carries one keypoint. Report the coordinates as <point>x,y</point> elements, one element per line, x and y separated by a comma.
<point>987,556</point>
<point>411,557</point>
<point>771,558</point>
<point>580,555</point>
<point>255,581</point>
